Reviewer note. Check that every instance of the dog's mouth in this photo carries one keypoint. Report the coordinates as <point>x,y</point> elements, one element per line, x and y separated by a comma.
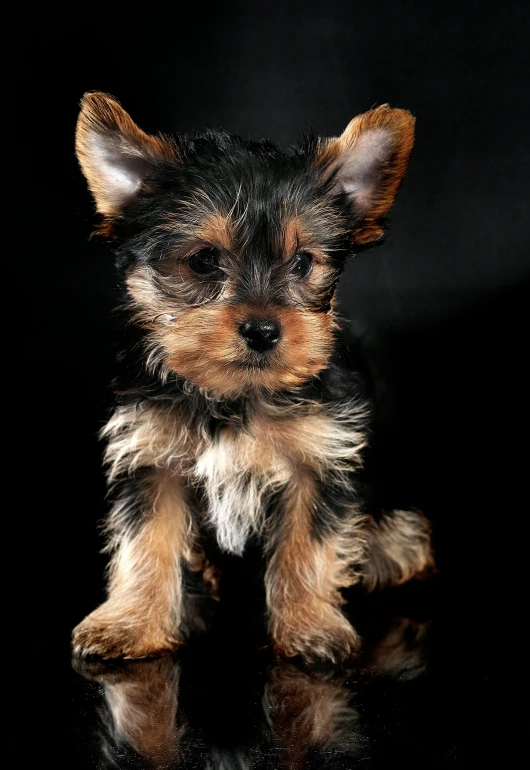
<point>256,362</point>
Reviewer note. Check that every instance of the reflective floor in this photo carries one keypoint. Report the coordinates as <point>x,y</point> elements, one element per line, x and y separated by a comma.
<point>427,692</point>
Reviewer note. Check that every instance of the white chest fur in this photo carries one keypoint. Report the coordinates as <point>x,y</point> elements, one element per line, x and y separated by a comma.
<point>241,467</point>
<point>242,470</point>
<point>240,475</point>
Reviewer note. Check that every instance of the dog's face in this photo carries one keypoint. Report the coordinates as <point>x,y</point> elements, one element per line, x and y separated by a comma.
<point>232,249</point>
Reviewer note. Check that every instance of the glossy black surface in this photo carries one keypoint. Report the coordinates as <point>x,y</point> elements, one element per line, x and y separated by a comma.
<point>427,692</point>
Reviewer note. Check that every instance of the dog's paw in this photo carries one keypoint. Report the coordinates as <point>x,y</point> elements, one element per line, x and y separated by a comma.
<point>104,635</point>
<point>332,641</point>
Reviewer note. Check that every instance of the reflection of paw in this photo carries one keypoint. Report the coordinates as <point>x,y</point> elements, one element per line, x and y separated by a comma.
<point>142,703</point>
<point>402,652</point>
<point>309,710</point>
<point>116,670</point>
<point>333,640</point>
<point>102,634</point>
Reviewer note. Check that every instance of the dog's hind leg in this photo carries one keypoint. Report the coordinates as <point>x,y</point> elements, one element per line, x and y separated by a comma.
<point>398,548</point>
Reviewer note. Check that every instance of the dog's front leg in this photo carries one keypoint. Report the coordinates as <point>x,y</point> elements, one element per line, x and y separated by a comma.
<point>306,570</point>
<point>142,614</point>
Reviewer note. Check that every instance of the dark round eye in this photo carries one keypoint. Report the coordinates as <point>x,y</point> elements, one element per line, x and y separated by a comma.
<point>301,264</point>
<point>204,262</point>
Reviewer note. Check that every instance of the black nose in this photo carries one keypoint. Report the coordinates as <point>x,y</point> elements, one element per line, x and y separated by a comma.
<point>260,335</point>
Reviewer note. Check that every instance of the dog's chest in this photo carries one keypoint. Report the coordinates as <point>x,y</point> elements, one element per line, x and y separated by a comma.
<point>241,469</point>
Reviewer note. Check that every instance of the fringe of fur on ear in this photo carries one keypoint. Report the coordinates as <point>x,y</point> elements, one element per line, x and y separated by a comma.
<point>367,163</point>
<point>114,153</point>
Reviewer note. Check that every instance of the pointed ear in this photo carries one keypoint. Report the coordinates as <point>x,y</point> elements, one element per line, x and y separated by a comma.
<point>115,155</point>
<point>367,164</point>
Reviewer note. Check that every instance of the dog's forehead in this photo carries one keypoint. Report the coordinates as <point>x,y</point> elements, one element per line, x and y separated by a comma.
<point>265,220</point>
<point>266,180</point>
<point>242,197</point>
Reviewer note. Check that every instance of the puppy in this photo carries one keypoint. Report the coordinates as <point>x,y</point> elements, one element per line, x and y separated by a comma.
<point>237,414</point>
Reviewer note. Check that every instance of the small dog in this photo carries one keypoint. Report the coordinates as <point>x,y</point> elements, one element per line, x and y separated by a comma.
<point>238,414</point>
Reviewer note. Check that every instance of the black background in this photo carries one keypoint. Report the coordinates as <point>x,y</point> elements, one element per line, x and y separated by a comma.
<point>442,304</point>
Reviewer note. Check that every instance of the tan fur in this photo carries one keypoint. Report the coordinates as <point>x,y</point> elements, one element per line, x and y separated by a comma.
<point>276,452</point>
<point>142,702</point>
<point>216,230</point>
<point>147,436</point>
<point>142,613</point>
<point>103,120</point>
<point>279,451</point>
<point>308,712</point>
<point>203,343</point>
<point>401,652</point>
<point>397,126</point>
<point>304,578</point>
<point>242,468</point>
<point>293,236</point>
<point>297,237</point>
<point>300,230</point>
<point>399,549</point>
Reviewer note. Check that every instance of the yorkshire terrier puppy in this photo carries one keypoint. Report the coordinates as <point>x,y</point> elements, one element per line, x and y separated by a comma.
<point>238,414</point>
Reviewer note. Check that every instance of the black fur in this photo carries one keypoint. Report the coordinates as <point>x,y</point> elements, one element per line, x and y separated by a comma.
<point>262,178</point>
<point>235,443</point>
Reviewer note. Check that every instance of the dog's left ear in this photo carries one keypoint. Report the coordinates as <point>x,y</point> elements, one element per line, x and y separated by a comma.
<point>367,164</point>
<point>116,156</point>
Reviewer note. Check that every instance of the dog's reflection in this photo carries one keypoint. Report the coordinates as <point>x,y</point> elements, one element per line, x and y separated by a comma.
<point>140,711</point>
<point>400,650</point>
<point>307,716</point>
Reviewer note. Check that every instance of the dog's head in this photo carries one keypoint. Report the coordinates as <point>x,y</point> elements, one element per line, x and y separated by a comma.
<point>232,249</point>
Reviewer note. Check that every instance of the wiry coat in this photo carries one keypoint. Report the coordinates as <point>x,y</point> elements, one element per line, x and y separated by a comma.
<point>212,431</point>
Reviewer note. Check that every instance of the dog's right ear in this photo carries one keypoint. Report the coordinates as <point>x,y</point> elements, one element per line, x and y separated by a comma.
<point>366,165</point>
<point>115,155</point>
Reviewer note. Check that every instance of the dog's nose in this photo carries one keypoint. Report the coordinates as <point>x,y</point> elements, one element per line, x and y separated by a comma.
<point>260,334</point>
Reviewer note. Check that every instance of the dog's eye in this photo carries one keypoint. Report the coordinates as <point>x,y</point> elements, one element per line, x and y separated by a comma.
<point>204,262</point>
<point>301,264</point>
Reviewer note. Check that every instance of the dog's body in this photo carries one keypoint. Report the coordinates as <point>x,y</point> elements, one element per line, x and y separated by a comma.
<point>239,414</point>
